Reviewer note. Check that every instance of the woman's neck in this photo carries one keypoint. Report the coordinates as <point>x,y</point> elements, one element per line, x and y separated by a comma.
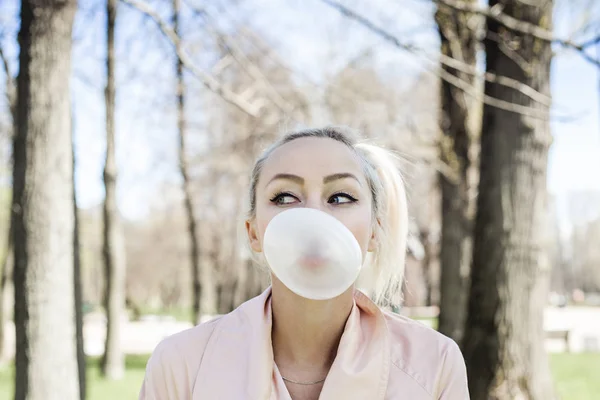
<point>306,333</point>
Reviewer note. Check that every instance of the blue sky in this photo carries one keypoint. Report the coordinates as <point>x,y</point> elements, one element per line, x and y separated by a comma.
<point>312,39</point>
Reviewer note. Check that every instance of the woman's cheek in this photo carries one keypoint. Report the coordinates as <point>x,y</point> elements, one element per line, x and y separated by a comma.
<point>361,229</point>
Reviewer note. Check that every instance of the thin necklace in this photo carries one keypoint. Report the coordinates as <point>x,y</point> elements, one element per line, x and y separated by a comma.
<point>302,383</point>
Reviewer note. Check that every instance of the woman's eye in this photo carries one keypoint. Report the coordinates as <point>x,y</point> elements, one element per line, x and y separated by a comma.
<point>283,199</point>
<point>341,198</point>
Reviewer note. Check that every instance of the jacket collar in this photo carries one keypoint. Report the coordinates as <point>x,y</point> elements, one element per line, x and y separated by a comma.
<point>238,358</point>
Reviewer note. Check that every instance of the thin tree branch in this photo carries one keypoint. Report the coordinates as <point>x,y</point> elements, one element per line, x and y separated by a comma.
<point>459,66</point>
<point>208,80</point>
<point>248,66</point>
<point>258,43</point>
<point>495,13</point>
<point>489,100</point>
<point>590,42</point>
<point>348,94</point>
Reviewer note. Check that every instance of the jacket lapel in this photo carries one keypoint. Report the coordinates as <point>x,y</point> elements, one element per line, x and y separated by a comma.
<point>362,365</point>
<point>238,358</point>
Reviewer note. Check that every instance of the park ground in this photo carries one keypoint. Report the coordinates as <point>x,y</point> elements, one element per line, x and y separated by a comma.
<point>577,377</point>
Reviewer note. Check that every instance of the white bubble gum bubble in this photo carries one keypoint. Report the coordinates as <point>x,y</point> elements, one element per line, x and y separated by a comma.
<point>312,253</point>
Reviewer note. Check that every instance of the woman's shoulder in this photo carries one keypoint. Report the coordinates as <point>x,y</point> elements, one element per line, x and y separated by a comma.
<point>189,345</point>
<point>429,358</point>
<point>183,350</point>
<point>170,371</point>
<point>187,342</point>
<point>411,334</point>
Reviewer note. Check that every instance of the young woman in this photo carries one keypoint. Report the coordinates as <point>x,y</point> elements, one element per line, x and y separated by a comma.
<point>284,345</point>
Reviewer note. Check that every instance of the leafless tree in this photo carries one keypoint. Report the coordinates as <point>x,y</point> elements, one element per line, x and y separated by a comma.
<point>6,267</point>
<point>113,361</point>
<point>497,13</point>
<point>78,292</point>
<point>585,246</point>
<point>459,41</point>
<point>42,211</point>
<point>504,339</point>
<point>204,296</point>
<point>5,260</point>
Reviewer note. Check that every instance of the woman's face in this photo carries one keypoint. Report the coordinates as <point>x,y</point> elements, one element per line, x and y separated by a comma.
<point>319,173</point>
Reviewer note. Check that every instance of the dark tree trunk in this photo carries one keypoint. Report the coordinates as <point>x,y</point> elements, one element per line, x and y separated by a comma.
<point>426,263</point>
<point>204,295</point>
<point>229,266</point>
<point>113,361</point>
<point>5,264</point>
<point>504,338</point>
<point>241,291</point>
<point>42,212</point>
<point>78,286</point>
<point>459,42</point>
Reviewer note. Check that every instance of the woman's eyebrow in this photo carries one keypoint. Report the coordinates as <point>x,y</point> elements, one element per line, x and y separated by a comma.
<point>288,177</point>
<point>341,175</point>
<point>327,179</point>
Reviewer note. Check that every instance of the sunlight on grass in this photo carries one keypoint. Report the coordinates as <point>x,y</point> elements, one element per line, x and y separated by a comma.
<point>577,375</point>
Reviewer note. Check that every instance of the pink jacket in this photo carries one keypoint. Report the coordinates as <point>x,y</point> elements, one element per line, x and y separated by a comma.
<point>380,356</point>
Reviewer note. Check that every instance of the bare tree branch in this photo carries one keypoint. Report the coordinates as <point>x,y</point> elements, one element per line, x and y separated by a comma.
<point>459,66</point>
<point>591,42</point>
<point>270,54</point>
<point>489,100</point>
<point>259,44</point>
<point>495,13</point>
<point>208,80</point>
<point>248,66</point>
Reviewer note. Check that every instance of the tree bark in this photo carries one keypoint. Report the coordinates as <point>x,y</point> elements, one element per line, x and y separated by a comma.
<point>204,295</point>
<point>459,42</point>
<point>42,211</point>
<point>504,338</point>
<point>78,287</point>
<point>6,262</point>
<point>241,288</point>
<point>113,362</point>
<point>5,273</point>
<point>426,263</point>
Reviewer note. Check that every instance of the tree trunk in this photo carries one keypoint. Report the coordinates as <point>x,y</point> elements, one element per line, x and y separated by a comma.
<point>42,212</point>
<point>77,284</point>
<point>228,259</point>
<point>5,273</point>
<point>5,263</point>
<point>113,362</point>
<point>241,291</point>
<point>426,263</point>
<point>457,41</point>
<point>504,338</point>
<point>204,296</point>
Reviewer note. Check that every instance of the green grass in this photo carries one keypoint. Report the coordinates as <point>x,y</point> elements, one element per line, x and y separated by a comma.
<point>576,376</point>
<point>431,322</point>
<point>98,388</point>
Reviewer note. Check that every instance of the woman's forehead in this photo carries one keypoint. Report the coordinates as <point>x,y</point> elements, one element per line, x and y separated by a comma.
<point>312,157</point>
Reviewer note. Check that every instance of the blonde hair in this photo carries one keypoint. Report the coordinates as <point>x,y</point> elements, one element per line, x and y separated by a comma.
<point>390,210</point>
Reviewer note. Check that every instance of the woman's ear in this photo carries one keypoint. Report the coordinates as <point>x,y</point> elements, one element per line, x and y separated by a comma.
<point>374,241</point>
<point>253,235</point>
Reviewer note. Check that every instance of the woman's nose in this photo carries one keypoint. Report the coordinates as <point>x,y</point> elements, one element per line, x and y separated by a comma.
<point>316,202</point>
